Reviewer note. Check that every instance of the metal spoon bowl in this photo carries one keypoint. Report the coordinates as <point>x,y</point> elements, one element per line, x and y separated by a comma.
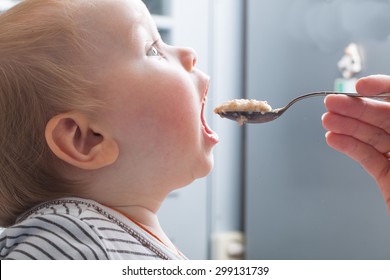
<point>263,117</point>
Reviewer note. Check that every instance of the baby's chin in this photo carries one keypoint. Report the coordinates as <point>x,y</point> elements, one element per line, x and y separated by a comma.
<point>200,170</point>
<point>206,167</point>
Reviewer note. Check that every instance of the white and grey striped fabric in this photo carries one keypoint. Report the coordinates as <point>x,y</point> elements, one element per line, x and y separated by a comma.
<point>73,228</point>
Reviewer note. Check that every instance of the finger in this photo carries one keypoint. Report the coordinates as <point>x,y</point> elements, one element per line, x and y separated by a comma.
<point>374,84</point>
<point>374,162</point>
<point>366,133</point>
<point>373,112</point>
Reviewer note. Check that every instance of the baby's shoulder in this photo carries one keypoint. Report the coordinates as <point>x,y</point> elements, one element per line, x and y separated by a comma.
<point>73,228</point>
<point>58,229</point>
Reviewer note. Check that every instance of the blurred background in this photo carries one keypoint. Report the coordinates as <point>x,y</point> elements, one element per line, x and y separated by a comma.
<point>277,191</point>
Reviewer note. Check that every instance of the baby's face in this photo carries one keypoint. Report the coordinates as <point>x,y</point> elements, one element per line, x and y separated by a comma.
<point>155,98</point>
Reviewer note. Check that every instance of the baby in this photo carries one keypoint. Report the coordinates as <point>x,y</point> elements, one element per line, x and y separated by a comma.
<point>100,120</point>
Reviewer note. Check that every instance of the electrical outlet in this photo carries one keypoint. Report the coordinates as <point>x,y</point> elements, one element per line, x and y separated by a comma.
<point>228,246</point>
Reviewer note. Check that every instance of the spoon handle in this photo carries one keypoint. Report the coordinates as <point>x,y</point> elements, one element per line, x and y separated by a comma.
<point>324,93</point>
<point>376,96</point>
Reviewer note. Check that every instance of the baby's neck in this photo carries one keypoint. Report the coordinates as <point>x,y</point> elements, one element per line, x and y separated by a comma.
<point>149,221</point>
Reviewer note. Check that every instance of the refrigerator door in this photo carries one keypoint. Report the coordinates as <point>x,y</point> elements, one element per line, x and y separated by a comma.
<point>304,200</point>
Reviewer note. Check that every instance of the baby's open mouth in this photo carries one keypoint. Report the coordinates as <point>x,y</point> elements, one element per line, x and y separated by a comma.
<point>209,132</point>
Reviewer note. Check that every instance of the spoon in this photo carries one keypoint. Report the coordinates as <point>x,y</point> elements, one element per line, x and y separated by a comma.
<point>263,117</point>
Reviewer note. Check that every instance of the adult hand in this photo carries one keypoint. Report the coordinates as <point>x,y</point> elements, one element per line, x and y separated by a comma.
<point>360,128</point>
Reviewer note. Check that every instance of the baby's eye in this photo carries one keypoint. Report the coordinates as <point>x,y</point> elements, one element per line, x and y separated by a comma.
<point>153,51</point>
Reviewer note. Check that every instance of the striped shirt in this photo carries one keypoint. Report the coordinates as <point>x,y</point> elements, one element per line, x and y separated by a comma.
<point>74,228</point>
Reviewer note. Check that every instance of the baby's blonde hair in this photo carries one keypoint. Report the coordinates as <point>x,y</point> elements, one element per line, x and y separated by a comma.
<point>42,73</point>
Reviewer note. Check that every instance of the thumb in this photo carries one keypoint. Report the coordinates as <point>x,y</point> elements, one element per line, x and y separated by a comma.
<point>374,84</point>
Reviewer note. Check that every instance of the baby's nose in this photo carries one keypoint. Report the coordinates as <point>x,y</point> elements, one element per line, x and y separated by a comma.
<point>188,58</point>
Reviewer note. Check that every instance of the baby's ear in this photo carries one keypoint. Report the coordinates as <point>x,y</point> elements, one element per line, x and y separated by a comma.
<point>72,139</point>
